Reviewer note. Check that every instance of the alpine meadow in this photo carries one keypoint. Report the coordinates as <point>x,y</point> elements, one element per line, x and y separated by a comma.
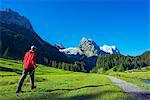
<point>74,50</point>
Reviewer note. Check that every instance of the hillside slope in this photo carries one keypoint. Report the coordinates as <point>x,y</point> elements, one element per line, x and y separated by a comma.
<point>121,63</point>
<point>17,35</point>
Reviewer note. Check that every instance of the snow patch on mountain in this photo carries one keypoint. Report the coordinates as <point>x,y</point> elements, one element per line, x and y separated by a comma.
<point>89,48</point>
<point>109,49</point>
<point>59,46</point>
<point>71,51</point>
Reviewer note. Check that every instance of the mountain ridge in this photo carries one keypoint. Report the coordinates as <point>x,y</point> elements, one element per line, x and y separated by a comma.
<point>9,16</point>
<point>16,39</point>
<point>89,48</point>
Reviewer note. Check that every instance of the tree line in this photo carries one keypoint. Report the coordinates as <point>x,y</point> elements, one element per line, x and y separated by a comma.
<point>120,62</point>
<point>76,66</point>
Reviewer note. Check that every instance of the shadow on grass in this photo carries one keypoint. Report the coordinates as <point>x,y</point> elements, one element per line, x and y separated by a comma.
<point>139,95</point>
<point>40,96</point>
<point>72,89</point>
<point>101,95</point>
<point>10,60</point>
<point>89,86</point>
<point>10,70</point>
<point>50,94</point>
<point>59,95</point>
<point>97,96</point>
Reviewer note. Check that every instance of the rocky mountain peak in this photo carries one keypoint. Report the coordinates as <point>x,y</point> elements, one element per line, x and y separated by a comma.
<point>85,41</point>
<point>9,10</point>
<point>8,16</point>
<point>89,48</point>
<point>59,46</point>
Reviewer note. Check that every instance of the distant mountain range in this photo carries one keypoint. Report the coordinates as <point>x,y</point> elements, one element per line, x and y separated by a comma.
<point>89,48</point>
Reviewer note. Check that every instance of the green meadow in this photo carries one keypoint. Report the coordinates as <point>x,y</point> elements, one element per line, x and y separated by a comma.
<point>56,84</point>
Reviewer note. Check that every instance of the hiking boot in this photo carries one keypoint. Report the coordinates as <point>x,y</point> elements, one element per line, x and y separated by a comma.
<point>17,91</point>
<point>17,94</point>
<point>33,87</point>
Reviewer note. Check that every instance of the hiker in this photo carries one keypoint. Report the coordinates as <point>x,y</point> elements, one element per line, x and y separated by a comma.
<point>29,67</point>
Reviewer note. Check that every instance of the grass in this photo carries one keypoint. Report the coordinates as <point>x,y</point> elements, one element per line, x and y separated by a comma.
<point>56,84</point>
<point>134,77</point>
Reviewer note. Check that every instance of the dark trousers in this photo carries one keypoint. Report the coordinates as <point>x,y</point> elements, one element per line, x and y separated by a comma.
<point>24,74</point>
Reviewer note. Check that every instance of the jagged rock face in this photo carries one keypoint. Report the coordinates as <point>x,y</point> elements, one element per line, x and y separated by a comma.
<point>59,46</point>
<point>11,17</point>
<point>89,47</point>
<point>88,51</point>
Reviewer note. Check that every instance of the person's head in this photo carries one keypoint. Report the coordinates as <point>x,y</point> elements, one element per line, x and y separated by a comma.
<point>33,48</point>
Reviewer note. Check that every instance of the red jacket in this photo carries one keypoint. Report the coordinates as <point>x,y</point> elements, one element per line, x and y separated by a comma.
<point>29,60</point>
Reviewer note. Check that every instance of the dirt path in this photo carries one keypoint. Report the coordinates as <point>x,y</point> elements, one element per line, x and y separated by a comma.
<point>133,90</point>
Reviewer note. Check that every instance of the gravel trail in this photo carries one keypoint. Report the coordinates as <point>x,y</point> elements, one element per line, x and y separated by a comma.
<point>132,90</point>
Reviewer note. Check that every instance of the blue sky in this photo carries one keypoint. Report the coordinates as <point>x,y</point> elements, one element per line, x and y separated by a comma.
<point>124,23</point>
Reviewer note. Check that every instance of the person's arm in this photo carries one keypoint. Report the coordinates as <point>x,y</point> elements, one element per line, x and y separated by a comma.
<point>25,60</point>
<point>34,59</point>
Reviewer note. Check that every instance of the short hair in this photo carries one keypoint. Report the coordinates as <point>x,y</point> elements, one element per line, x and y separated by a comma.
<point>33,47</point>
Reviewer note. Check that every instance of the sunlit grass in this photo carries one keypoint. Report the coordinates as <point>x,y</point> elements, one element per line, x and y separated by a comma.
<point>56,84</point>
